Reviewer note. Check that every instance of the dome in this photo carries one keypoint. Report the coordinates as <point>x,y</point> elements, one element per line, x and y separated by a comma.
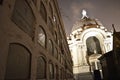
<point>86,22</point>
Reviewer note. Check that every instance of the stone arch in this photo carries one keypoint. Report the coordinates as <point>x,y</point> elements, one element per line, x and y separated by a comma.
<point>93,46</point>
<point>93,32</point>
<point>99,34</point>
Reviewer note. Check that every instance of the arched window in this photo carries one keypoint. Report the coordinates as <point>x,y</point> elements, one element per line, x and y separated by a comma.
<point>55,53</point>
<point>51,9</point>
<point>23,17</point>
<point>50,25</point>
<point>50,47</point>
<point>58,56</point>
<point>41,68</point>
<point>51,71</point>
<point>18,63</point>
<point>61,77</point>
<point>43,11</point>
<point>41,36</point>
<point>56,73</point>
<point>61,57</point>
<point>55,20</point>
<point>56,37</point>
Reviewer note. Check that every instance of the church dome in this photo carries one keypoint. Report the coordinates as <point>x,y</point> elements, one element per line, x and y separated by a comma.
<point>86,22</point>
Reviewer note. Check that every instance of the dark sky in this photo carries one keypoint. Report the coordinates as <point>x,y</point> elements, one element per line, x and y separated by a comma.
<point>106,11</point>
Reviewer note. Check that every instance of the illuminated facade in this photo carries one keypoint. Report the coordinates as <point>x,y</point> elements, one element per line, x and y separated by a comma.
<point>88,40</point>
<point>33,44</point>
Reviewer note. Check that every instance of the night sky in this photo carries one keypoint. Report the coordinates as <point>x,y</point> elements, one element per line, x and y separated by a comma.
<point>106,11</point>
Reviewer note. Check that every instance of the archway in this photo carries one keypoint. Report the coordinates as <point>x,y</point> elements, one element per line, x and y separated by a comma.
<point>93,46</point>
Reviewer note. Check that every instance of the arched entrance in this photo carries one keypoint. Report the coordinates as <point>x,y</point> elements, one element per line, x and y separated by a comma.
<point>94,51</point>
<point>93,46</point>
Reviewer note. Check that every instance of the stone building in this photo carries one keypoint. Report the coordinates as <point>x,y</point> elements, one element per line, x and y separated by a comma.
<point>33,44</point>
<point>88,40</point>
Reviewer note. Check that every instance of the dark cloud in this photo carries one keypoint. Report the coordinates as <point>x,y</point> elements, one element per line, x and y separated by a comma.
<point>106,11</point>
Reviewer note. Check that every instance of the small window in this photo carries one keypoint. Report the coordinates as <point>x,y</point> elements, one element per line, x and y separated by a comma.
<point>55,37</point>
<point>41,36</point>
<point>43,12</point>
<point>61,59</point>
<point>50,25</point>
<point>61,74</point>
<point>50,47</point>
<point>51,71</point>
<point>41,68</point>
<point>51,9</point>
<point>59,56</point>
<point>56,73</point>
<point>55,53</point>
<point>54,18</point>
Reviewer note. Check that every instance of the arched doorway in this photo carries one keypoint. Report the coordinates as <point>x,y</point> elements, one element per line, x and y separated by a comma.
<point>94,52</point>
<point>93,46</point>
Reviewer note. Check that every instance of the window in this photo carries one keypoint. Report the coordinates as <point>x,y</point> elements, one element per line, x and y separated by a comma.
<point>60,74</point>
<point>18,63</point>
<point>59,56</point>
<point>54,19</point>
<point>51,71</point>
<point>51,10</point>
<point>56,37</point>
<point>56,73</point>
<point>23,17</point>
<point>55,53</point>
<point>50,47</point>
<point>59,36</point>
<point>41,36</point>
<point>43,12</point>
<point>41,68</point>
<point>62,59</point>
<point>50,24</point>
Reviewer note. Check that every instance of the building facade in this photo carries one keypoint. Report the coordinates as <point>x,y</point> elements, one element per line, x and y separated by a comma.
<point>33,43</point>
<point>88,40</point>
